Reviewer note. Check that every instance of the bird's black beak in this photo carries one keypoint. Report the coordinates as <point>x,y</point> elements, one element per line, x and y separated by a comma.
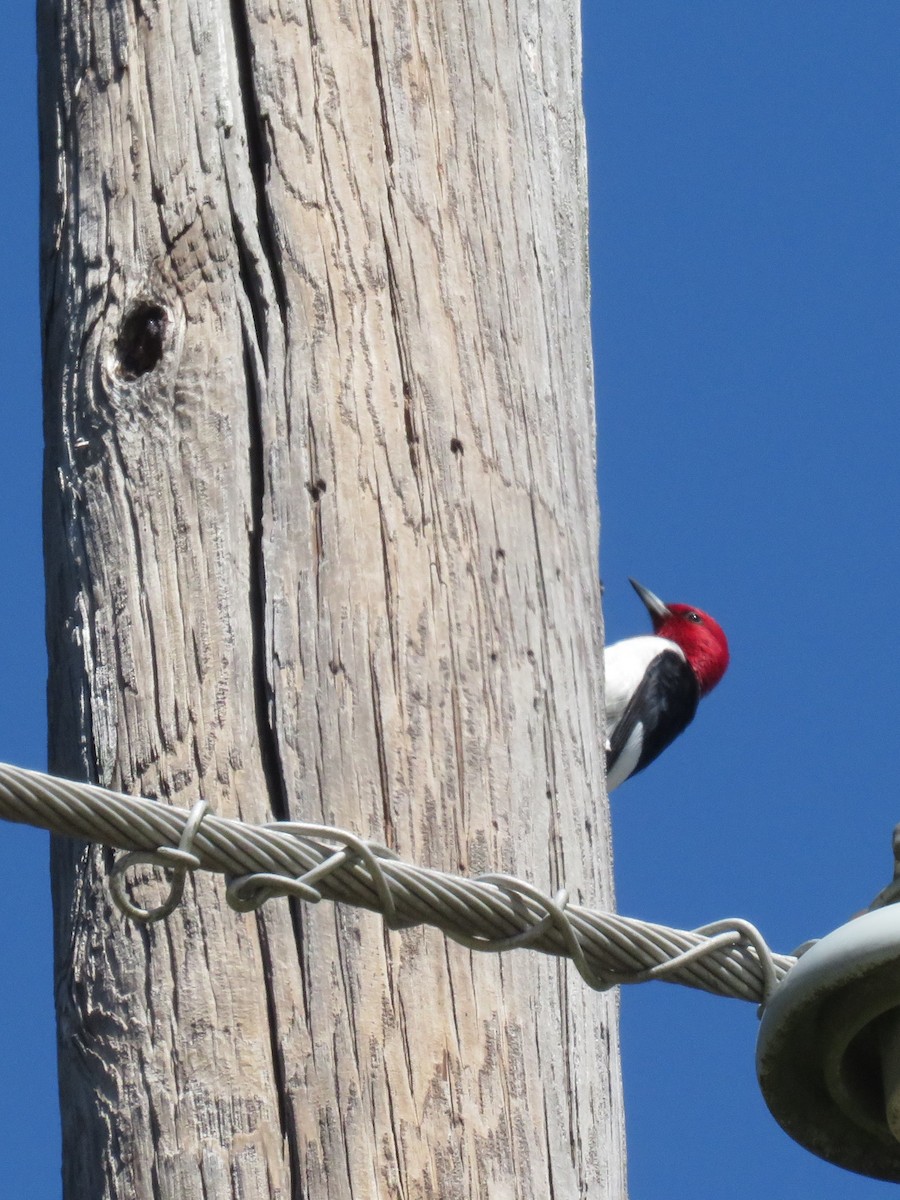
<point>658,611</point>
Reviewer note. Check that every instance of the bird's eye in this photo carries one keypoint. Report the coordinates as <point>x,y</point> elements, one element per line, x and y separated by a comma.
<point>695,617</point>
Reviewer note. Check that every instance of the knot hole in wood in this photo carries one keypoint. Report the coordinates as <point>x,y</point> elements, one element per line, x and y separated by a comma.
<point>141,340</point>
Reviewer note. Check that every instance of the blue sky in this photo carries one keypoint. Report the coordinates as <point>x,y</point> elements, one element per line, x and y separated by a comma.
<point>745,192</point>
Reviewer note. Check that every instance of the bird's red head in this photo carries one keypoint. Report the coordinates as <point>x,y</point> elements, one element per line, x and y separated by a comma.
<point>700,636</point>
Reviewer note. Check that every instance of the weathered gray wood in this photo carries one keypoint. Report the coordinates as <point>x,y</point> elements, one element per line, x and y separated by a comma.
<point>321,539</point>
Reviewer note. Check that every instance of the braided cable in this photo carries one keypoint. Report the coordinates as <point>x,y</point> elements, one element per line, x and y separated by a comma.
<point>313,862</point>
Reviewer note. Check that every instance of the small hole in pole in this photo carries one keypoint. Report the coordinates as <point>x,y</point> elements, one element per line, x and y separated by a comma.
<point>140,344</point>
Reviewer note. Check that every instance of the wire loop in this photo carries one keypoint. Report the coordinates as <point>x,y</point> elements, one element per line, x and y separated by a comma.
<point>555,917</point>
<point>742,932</point>
<point>247,892</point>
<point>178,860</point>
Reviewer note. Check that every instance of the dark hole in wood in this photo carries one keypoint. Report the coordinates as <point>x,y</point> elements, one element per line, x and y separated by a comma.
<point>140,345</point>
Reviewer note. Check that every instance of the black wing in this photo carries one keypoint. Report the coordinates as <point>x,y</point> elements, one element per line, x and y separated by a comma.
<point>664,704</point>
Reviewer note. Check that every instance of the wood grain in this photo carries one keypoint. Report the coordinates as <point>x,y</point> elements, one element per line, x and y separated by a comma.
<point>321,536</point>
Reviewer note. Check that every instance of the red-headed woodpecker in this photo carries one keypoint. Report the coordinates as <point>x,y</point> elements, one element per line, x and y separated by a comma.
<point>654,683</point>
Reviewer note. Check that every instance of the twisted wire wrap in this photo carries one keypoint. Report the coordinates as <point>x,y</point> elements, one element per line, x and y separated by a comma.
<point>179,860</point>
<point>314,862</point>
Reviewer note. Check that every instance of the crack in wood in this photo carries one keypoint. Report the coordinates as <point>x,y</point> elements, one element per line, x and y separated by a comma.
<point>259,158</point>
<point>382,95</point>
<point>264,698</point>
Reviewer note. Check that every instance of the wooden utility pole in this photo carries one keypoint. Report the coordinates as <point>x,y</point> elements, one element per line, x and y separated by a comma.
<point>321,534</point>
